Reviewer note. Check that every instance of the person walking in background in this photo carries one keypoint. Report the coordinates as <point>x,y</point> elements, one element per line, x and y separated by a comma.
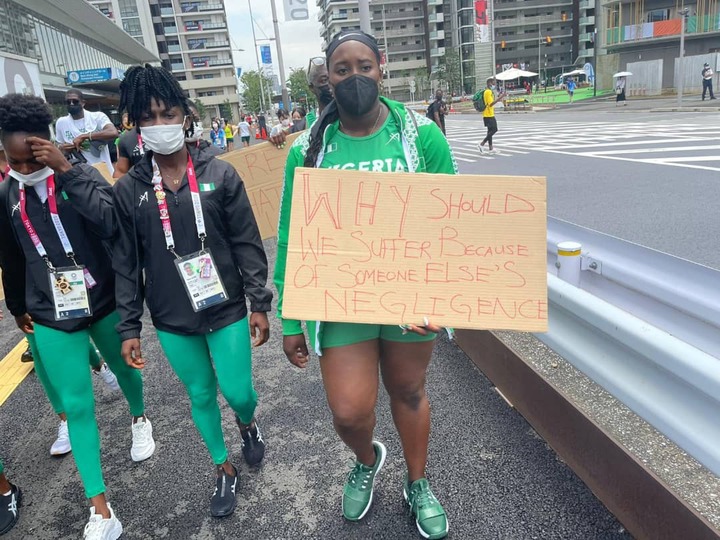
<point>262,132</point>
<point>10,500</point>
<point>489,100</point>
<point>244,130</point>
<point>198,235</point>
<point>217,136</point>
<point>620,91</point>
<point>59,285</point>
<point>707,77</point>
<point>437,110</point>
<point>86,132</point>
<point>360,127</point>
<point>571,88</point>
<point>230,132</point>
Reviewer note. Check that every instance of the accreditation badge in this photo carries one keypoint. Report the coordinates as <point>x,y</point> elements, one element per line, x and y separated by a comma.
<point>69,292</point>
<point>201,279</point>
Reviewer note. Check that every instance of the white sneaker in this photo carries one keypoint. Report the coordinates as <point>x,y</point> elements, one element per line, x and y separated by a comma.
<point>61,446</point>
<point>108,376</point>
<point>481,148</point>
<point>99,528</point>
<point>143,444</point>
<point>494,151</point>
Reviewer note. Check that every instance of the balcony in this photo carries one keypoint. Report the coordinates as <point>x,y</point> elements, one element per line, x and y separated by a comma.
<point>437,17</point>
<point>211,7</point>
<point>435,2</point>
<point>439,51</point>
<point>587,53</point>
<point>217,44</point>
<point>221,62</point>
<point>167,12</point>
<point>584,21</point>
<point>587,36</point>
<point>177,66</point>
<point>204,27</point>
<point>662,30</point>
<point>174,49</point>
<point>170,29</point>
<point>587,4</point>
<point>437,34</point>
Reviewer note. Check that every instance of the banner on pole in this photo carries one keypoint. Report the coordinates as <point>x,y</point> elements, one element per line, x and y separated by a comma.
<point>296,10</point>
<point>265,55</point>
<point>465,251</point>
<point>482,26</point>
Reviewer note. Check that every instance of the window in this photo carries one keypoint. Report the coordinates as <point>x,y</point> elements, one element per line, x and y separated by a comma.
<point>658,15</point>
<point>132,27</point>
<point>128,8</point>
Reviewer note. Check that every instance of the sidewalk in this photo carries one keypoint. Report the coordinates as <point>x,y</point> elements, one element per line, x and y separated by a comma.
<point>496,477</point>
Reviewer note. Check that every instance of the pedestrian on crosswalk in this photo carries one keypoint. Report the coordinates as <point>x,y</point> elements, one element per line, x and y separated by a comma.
<point>707,77</point>
<point>362,128</point>
<point>620,91</point>
<point>489,100</point>
<point>59,285</point>
<point>185,225</point>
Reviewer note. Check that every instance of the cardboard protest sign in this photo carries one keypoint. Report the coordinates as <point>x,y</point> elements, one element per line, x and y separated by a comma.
<point>465,251</point>
<point>261,168</point>
<point>103,168</point>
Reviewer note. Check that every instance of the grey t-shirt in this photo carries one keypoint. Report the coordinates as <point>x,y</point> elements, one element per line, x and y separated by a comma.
<point>128,147</point>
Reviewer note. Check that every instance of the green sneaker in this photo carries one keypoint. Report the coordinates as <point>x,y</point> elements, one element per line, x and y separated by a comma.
<point>358,490</point>
<point>429,514</point>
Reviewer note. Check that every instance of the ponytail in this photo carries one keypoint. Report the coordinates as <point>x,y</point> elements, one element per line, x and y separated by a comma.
<point>317,133</point>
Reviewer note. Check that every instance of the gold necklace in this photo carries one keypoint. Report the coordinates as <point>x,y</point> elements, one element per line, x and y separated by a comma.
<point>376,120</point>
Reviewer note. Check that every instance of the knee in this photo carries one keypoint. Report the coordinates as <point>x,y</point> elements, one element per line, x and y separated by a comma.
<point>202,398</point>
<point>408,395</point>
<point>242,402</point>
<point>350,416</point>
<point>79,407</point>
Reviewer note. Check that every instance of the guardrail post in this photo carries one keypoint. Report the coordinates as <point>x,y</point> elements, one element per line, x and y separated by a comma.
<point>568,262</point>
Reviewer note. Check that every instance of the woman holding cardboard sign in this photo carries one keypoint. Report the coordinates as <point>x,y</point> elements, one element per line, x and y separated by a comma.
<point>188,243</point>
<point>361,127</point>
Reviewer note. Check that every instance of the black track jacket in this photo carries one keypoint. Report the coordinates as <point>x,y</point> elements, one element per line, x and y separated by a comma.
<point>232,237</point>
<point>84,200</point>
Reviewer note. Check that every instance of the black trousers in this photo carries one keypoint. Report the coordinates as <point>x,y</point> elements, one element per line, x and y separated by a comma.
<point>707,85</point>
<point>491,125</point>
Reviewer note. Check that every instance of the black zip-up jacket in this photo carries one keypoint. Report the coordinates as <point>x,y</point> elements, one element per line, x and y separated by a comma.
<point>232,237</point>
<point>84,200</point>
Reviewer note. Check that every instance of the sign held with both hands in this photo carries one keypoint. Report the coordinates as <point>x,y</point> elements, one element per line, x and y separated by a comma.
<point>465,251</point>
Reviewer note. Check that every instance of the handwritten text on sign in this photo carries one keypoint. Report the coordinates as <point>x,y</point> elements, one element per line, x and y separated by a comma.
<point>464,251</point>
<point>261,168</point>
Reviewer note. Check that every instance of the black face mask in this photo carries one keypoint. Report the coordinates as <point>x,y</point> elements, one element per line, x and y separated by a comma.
<point>325,95</point>
<point>357,94</point>
<point>74,109</point>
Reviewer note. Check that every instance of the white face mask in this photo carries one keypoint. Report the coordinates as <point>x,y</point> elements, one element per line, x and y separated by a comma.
<point>32,178</point>
<point>164,139</point>
<point>285,123</point>
<point>197,133</point>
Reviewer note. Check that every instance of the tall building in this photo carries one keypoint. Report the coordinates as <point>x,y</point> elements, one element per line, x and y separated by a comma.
<point>48,45</point>
<point>536,35</point>
<point>415,36</point>
<point>192,40</point>
<point>586,31</point>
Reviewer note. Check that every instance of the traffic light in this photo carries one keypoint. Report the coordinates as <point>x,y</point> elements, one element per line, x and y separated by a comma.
<point>548,40</point>
<point>502,44</point>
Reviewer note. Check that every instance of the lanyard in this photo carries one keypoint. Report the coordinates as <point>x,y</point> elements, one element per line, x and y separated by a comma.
<point>163,207</point>
<point>141,148</point>
<point>54,216</point>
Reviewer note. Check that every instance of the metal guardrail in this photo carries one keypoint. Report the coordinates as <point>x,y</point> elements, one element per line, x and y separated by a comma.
<point>646,327</point>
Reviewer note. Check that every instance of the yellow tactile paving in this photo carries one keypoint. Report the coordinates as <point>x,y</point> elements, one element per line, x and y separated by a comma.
<point>13,371</point>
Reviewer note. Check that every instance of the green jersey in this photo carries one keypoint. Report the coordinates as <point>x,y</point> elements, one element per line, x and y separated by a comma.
<point>406,142</point>
<point>310,118</point>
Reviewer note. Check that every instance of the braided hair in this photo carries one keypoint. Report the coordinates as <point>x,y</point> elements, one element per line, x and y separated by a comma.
<point>142,84</point>
<point>330,112</point>
<point>23,113</point>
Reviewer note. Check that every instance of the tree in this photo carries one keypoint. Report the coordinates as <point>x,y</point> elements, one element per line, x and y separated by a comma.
<point>422,82</point>
<point>226,111</point>
<point>201,109</point>
<point>251,81</point>
<point>450,64</point>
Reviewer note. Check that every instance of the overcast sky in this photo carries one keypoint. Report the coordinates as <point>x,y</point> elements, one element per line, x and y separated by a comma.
<point>300,40</point>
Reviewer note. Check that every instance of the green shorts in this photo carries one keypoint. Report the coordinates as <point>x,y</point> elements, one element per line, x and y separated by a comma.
<point>335,334</point>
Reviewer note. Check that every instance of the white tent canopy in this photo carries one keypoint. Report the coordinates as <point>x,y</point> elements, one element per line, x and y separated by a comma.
<point>574,73</point>
<point>514,73</point>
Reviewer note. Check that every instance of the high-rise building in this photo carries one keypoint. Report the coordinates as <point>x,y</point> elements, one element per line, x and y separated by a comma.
<point>192,40</point>
<point>415,37</point>
<point>537,36</point>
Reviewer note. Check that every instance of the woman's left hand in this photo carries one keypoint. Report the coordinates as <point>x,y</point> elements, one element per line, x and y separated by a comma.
<point>47,153</point>
<point>425,329</point>
<point>259,328</point>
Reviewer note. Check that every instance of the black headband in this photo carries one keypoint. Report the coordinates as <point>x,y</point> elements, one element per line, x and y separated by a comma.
<point>353,35</point>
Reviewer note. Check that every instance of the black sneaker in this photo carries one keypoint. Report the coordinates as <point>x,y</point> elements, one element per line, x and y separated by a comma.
<point>9,505</point>
<point>27,355</point>
<point>253,446</point>
<point>223,502</point>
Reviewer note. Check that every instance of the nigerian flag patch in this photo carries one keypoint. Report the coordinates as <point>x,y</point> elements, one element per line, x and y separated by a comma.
<point>210,186</point>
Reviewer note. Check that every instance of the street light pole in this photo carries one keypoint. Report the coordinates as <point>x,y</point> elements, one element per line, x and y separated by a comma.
<point>539,51</point>
<point>595,67</point>
<point>364,15</point>
<point>285,97</point>
<point>681,75</point>
<point>257,59</point>
<point>387,52</point>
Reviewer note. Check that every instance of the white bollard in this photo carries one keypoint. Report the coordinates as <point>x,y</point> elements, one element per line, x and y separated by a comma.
<point>568,262</point>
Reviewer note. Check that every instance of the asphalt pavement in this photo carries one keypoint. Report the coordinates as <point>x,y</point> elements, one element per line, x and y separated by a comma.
<point>495,476</point>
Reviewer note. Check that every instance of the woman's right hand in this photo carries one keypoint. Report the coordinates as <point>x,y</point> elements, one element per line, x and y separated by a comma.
<point>132,354</point>
<point>296,350</point>
<point>25,323</point>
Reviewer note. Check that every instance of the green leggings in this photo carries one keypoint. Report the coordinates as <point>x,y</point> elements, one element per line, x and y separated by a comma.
<point>64,357</point>
<point>2,469</point>
<point>95,363</point>
<point>190,358</point>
